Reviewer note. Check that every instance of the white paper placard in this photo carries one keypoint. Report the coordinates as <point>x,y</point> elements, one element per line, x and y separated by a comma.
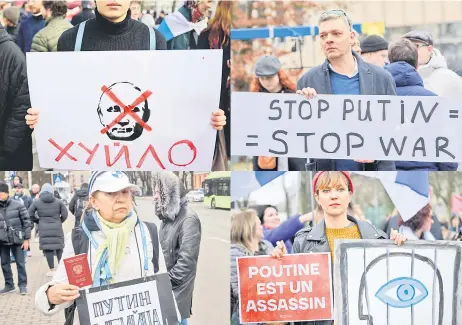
<point>80,94</point>
<point>347,127</point>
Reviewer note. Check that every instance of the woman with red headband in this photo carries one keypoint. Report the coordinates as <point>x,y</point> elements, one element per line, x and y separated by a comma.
<point>333,192</point>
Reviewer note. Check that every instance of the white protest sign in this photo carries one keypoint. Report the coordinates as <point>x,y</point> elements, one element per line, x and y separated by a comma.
<point>139,110</point>
<point>347,127</point>
<point>139,301</point>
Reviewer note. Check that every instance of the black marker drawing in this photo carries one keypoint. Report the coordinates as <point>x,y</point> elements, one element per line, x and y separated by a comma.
<point>432,279</point>
<point>124,121</point>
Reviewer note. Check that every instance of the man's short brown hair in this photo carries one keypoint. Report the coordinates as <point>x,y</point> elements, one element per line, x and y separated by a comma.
<point>404,50</point>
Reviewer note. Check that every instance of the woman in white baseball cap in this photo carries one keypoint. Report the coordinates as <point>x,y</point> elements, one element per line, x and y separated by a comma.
<point>120,246</point>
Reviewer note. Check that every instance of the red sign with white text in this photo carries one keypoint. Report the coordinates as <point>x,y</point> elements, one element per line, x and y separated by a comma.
<point>296,288</point>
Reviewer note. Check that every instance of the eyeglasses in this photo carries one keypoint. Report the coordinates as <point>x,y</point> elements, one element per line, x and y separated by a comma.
<point>337,12</point>
<point>419,45</point>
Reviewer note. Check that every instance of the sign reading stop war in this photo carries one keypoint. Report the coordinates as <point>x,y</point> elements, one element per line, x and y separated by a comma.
<point>296,288</point>
<point>347,127</point>
<point>137,110</point>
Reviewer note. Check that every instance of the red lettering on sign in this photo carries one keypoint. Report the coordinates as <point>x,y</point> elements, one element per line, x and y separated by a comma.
<point>63,152</point>
<point>190,145</point>
<point>122,151</point>
<point>153,152</point>
<point>91,152</point>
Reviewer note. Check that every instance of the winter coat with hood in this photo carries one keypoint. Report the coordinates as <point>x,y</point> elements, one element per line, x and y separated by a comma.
<point>15,215</point>
<point>409,83</point>
<point>314,240</point>
<point>46,40</point>
<point>131,267</point>
<point>51,213</point>
<point>15,134</point>
<point>180,236</point>
<point>237,250</point>
<point>439,79</point>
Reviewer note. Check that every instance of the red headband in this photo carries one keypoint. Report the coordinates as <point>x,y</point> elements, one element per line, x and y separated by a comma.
<point>346,174</point>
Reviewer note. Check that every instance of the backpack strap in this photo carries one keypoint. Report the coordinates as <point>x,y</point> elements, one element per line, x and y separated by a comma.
<point>155,244</point>
<point>152,39</point>
<point>80,244</point>
<point>78,40</point>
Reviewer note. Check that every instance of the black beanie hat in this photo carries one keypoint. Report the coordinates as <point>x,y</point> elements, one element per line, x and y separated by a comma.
<point>373,43</point>
<point>4,188</point>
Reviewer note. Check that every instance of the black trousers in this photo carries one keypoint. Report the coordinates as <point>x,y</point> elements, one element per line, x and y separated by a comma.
<point>50,255</point>
<point>18,255</point>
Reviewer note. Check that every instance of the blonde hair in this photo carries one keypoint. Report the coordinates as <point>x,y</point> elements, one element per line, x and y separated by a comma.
<point>331,179</point>
<point>243,228</point>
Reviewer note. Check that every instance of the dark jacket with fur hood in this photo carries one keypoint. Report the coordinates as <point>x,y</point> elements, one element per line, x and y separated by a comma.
<point>180,236</point>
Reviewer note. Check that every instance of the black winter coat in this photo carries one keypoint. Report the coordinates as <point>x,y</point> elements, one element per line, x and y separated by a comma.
<point>75,210</point>
<point>16,216</point>
<point>15,134</point>
<point>51,214</point>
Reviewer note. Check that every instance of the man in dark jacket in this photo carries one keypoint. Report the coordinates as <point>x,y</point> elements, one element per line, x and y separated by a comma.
<point>180,237</point>
<point>78,203</point>
<point>86,13</point>
<point>11,21</point>
<point>21,197</point>
<point>344,72</point>
<point>334,199</point>
<point>404,61</point>
<point>15,135</point>
<point>30,26</point>
<point>13,218</point>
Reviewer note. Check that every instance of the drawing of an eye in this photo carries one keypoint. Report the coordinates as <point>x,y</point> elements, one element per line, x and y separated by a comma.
<point>402,292</point>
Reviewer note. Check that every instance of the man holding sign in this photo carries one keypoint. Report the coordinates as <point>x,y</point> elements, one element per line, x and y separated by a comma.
<point>333,191</point>
<point>344,73</point>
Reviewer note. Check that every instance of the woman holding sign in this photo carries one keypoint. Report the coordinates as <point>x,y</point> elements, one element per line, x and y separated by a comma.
<point>333,191</point>
<point>117,245</point>
<point>246,240</point>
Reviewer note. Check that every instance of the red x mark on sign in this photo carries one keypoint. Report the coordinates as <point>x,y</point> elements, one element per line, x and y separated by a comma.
<point>127,109</point>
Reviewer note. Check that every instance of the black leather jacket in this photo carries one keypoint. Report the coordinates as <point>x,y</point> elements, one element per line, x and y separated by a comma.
<point>314,240</point>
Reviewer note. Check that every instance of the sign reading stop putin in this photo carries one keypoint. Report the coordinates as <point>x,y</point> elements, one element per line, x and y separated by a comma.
<point>296,288</point>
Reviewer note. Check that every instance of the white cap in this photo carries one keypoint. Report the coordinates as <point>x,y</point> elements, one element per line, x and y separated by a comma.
<point>111,181</point>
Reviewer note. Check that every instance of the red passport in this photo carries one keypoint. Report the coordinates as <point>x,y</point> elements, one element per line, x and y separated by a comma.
<point>78,271</point>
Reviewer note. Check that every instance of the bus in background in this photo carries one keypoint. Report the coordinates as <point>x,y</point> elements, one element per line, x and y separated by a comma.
<point>217,190</point>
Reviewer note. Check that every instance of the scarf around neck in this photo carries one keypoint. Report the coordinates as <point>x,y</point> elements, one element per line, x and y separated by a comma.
<point>111,250</point>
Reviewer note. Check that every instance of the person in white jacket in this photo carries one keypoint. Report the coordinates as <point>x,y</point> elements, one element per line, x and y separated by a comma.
<point>433,67</point>
<point>111,220</point>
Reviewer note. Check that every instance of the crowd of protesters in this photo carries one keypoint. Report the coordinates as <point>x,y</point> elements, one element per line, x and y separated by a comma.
<point>45,26</point>
<point>412,66</point>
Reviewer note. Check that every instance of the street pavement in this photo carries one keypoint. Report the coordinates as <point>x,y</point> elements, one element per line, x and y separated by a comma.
<point>211,292</point>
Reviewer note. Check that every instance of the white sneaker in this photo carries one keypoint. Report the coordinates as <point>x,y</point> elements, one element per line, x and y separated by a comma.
<point>51,273</point>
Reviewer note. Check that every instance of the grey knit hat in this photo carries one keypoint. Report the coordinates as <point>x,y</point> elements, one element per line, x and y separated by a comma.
<point>12,14</point>
<point>267,65</point>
